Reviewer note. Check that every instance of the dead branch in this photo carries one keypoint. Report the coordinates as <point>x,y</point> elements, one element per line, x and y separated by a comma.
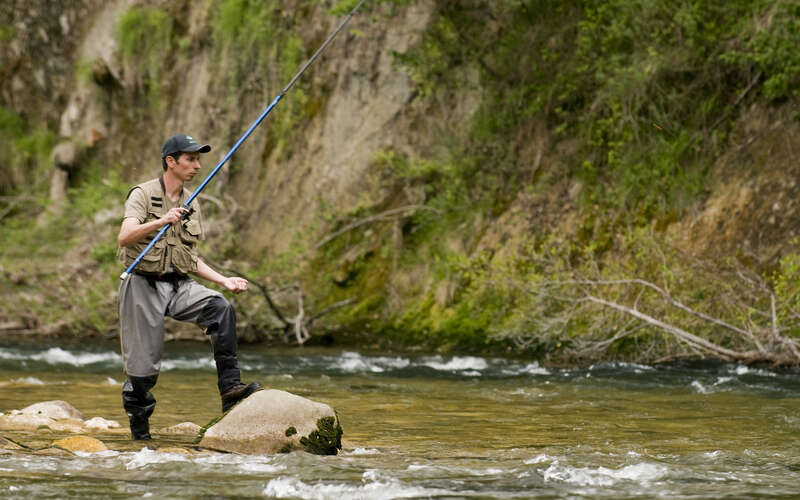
<point>383,216</point>
<point>330,308</point>
<point>300,330</point>
<point>300,324</point>
<point>688,338</point>
<point>671,301</point>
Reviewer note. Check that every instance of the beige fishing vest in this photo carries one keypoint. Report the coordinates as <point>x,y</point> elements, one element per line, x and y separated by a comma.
<point>176,251</point>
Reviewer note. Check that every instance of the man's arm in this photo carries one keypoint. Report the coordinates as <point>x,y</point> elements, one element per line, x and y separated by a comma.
<point>132,231</point>
<point>232,284</point>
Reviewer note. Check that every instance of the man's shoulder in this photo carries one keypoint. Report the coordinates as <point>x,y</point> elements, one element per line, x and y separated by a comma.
<point>145,187</point>
<point>151,184</point>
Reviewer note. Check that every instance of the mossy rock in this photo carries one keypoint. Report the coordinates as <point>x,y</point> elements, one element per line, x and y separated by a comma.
<point>326,440</point>
<point>273,421</point>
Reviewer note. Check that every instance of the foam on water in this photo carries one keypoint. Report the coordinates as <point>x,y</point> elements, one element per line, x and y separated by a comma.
<point>57,355</point>
<point>643,473</point>
<point>538,459</point>
<point>746,370</point>
<point>426,470</point>
<point>456,364</point>
<point>28,381</point>
<point>622,365</point>
<point>698,387</point>
<point>528,369</point>
<point>372,487</point>
<point>200,363</point>
<point>361,451</point>
<point>147,456</point>
<point>353,362</point>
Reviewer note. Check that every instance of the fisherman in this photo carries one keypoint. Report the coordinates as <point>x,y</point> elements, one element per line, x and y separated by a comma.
<point>160,285</point>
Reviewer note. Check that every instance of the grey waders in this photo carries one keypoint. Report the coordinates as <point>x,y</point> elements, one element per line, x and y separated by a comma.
<point>142,340</point>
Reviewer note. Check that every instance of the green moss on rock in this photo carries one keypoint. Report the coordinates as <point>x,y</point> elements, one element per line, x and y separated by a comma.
<point>326,440</point>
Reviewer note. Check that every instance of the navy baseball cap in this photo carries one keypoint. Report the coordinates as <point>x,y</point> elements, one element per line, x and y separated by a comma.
<point>182,143</point>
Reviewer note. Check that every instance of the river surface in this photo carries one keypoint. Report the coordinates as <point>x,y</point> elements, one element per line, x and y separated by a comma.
<point>423,426</point>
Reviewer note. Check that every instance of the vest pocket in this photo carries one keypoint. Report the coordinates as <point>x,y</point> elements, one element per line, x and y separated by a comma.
<point>190,232</point>
<point>183,260</point>
<point>151,261</point>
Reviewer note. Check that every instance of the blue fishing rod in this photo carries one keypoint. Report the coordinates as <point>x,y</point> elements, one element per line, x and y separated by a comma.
<point>240,141</point>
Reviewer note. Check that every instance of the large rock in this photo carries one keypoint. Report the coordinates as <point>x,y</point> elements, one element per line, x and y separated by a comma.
<point>273,421</point>
<point>81,443</point>
<point>54,409</point>
<point>184,428</point>
<point>58,416</point>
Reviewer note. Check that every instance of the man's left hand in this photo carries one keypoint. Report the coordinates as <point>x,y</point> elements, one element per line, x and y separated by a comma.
<point>235,284</point>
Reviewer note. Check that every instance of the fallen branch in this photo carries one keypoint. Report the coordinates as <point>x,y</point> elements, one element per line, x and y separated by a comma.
<point>683,335</point>
<point>383,216</point>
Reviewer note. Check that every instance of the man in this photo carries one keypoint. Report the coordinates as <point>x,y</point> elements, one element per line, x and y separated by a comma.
<point>160,286</point>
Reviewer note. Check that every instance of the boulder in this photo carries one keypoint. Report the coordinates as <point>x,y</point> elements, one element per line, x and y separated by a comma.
<point>54,451</point>
<point>17,420</point>
<point>273,421</point>
<point>184,428</point>
<point>53,409</point>
<point>58,416</point>
<point>81,443</point>
<point>100,424</point>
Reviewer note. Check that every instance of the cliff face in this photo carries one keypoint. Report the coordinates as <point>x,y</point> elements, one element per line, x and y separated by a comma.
<point>331,190</point>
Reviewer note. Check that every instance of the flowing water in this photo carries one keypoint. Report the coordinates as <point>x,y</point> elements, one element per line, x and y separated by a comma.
<point>424,426</point>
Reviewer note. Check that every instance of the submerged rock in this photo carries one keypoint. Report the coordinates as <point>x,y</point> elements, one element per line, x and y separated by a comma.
<point>58,416</point>
<point>184,428</point>
<point>273,421</point>
<point>101,424</point>
<point>81,443</point>
<point>54,409</point>
<point>18,421</point>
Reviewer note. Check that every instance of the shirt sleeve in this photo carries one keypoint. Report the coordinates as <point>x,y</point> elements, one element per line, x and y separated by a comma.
<point>136,205</point>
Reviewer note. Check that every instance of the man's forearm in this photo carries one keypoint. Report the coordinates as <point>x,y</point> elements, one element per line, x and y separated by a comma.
<point>132,233</point>
<point>207,273</point>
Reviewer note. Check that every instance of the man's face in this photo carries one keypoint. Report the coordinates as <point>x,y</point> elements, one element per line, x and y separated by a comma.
<point>186,166</point>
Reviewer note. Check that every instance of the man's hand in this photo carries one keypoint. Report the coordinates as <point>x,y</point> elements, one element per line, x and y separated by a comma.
<point>173,216</point>
<point>235,284</point>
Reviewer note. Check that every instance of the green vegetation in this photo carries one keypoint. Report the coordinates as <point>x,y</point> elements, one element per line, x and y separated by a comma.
<point>146,41</point>
<point>258,44</point>
<point>588,127</point>
<point>640,94</point>
<point>326,439</point>
<point>25,155</point>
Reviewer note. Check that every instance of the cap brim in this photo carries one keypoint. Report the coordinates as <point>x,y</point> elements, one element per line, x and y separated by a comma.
<point>198,148</point>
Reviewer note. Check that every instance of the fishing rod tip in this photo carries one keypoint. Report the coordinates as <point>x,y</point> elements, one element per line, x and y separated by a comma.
<point>123,276</point>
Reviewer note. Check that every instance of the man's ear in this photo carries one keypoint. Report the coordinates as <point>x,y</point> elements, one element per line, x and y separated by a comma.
<point>170,160</point>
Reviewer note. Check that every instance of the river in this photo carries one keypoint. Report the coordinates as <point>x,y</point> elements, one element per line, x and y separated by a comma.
<point>424,426</point>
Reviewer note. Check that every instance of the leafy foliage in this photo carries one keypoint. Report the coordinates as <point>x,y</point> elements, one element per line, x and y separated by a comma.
<point>146,39</point>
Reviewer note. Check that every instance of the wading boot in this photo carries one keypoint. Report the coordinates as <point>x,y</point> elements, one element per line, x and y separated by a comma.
<point>219,320</point>
<point>238,393</point>
<point>140,429</point>
<point>139,404</point>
